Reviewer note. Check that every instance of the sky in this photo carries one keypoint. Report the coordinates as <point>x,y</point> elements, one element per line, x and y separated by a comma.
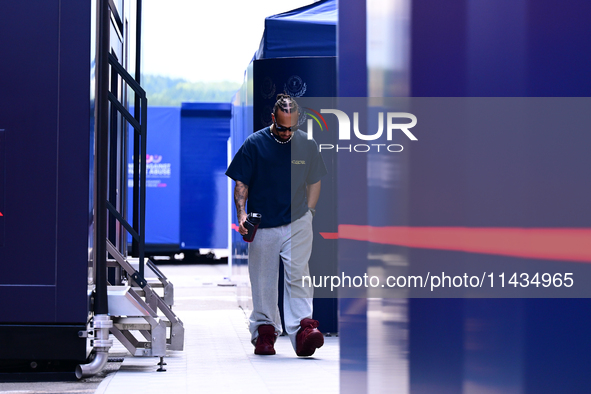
<point>205,41</point>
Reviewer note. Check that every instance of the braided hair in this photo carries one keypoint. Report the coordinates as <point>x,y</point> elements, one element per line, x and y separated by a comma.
<point>286,104</point>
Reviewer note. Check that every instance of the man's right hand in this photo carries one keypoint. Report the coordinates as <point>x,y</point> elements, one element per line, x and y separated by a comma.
<point>240,197</point>
<point>241,219</point>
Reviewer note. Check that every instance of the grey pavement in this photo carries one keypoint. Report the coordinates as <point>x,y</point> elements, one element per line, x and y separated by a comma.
<point>218,355</point>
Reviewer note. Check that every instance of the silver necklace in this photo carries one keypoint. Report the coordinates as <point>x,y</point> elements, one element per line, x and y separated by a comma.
<point>279,141</point>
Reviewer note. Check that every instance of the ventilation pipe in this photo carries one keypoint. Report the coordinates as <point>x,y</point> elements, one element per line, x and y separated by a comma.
<point>102,344</point>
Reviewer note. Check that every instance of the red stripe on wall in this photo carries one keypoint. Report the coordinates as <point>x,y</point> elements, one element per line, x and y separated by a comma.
<point>568,244</point>
<point>330,235</point>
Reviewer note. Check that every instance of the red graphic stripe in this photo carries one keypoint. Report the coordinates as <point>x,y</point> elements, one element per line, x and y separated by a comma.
<point>235,227</point>
<point>1,214</point>
<point>321,117</point>
<point>330,235</point>
<point>567,244</point>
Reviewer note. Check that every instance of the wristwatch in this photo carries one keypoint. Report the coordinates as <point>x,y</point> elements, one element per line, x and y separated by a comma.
<point>313,211</point>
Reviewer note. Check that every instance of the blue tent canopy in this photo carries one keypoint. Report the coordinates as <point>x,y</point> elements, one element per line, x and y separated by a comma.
<point>305,31</point>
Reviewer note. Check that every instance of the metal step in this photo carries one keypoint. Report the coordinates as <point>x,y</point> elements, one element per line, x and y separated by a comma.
<point>136,323</point>
<point>155,278</point>
<point>143,320</point>
<point>131,311</point>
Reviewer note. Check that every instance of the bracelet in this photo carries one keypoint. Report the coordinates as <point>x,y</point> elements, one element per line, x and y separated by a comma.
<point>313,211</point>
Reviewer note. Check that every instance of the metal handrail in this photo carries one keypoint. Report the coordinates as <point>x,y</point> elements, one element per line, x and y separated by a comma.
<point>140,128</point>
<point>122,220</point>
<point>126,76</point>
<point>123,111</point>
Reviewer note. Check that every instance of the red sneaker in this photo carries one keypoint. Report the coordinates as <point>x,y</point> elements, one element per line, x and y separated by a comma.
<point>309,338</point>
<point>265,340</point>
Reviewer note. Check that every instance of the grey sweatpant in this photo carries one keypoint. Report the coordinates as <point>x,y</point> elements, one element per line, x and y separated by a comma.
<point>293,244</point>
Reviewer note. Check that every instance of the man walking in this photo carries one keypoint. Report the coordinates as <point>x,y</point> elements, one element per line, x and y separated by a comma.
<point>278,170</point>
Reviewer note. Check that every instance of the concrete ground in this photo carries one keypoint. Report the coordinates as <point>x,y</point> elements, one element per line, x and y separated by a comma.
<point>218,356</point>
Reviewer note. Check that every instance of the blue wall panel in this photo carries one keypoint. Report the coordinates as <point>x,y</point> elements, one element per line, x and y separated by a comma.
<point>162,178</point>
<point>45,111</point>
<point>74,158</point>
<point>491,179</point>
<point>352,198</point>
<point>205,130</point>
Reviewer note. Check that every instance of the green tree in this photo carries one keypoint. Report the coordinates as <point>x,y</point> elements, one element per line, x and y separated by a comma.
<point>171,92</point>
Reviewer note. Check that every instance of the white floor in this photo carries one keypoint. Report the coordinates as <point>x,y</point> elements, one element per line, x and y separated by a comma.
<point>218,356</point>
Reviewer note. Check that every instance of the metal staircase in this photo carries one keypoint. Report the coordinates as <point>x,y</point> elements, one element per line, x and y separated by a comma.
<point>130,291</point>
<point>143,320</point>
<point>131,298</point>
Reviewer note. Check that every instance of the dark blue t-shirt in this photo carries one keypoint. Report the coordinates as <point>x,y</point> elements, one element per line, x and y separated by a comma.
<point>277,175</point>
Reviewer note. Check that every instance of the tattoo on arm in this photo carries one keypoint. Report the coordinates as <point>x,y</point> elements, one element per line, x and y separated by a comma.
<point>240,197</point>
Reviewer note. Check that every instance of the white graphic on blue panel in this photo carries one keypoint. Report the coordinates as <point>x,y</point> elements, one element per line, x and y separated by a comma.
<point>268,88</point>
<point>156,170</point>
<point>295,86</point>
